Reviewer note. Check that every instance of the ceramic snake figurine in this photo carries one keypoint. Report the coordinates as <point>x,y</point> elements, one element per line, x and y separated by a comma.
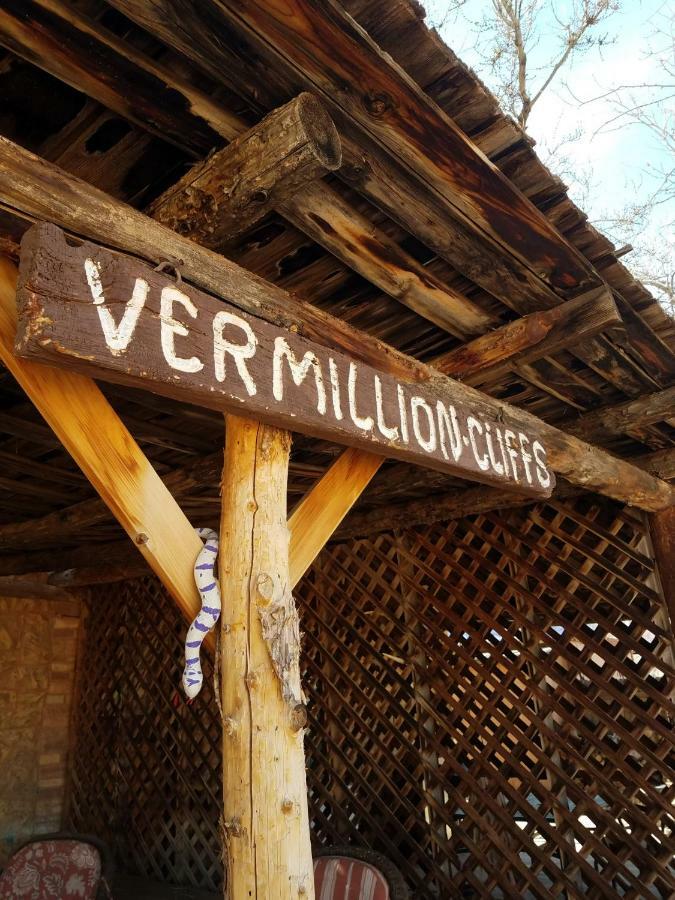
<point>206,580</point>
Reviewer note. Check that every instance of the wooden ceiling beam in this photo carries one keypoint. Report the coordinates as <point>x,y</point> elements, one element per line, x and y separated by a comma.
<point>400,150</point>
<point>233,188</point>
<point>42,29</point>
<point>531,337</point>
<point>623,418</point>
<point>456,504</point>
<point>38,190</point>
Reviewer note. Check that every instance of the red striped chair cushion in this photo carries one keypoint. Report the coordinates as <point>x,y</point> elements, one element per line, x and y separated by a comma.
<point>340,878</point>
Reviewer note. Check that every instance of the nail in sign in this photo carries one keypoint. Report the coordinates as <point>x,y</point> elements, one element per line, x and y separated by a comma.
<point>112,317</point>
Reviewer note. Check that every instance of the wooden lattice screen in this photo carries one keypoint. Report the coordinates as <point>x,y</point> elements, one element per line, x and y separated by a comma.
<point>490,707</point>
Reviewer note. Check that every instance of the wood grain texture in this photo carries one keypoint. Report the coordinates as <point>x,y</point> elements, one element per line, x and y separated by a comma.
<point>662,529</point>
<point>265,820</point>
<point>137,87</point>
<point>321,511</point>
<point>235,187</point>
<point>181,351</point>
<point>622,418</point>
<point>107,453</point>
<point>37,190</point>
<point>445,505</point>
<point>529,338</point>
<point>288,38</point>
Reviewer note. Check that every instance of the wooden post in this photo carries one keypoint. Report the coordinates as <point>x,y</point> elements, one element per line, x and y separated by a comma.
<point>266,825</point>
<point>662,528</point>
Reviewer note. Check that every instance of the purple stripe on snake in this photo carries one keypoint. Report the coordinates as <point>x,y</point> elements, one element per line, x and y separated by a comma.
<point>204,567</point>
<point>207,587</point>
<point>200,627</point>
<point>194,643</point>
<point>192,661</point>
<point>212,549</point>
<point>212,610</point>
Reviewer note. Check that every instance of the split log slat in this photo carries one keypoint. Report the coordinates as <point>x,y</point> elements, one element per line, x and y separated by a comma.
<point>323,47</point>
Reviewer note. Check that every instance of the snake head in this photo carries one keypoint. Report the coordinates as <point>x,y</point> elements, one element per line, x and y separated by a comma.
<point>192,684</point>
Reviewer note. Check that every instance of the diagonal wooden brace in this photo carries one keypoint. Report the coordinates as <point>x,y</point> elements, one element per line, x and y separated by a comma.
<point>107,453</point>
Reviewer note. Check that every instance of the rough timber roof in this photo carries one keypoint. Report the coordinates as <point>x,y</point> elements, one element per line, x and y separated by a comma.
<point>93,115</point>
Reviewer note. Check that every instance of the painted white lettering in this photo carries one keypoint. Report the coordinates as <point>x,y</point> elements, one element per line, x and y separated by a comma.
<point>496,465</point>
<point>525,455</point>
<point>474,426</point>
<point>402,413</point>
<point>117,337</point>
<point>239,352</point>
<point>391,433</point>
<point>335,388</point>
<point>448,425</point>
<point>170,327</point>
<point>513,453</point>
<point>365,423</point>
<point>299,372</point>
<point>543,473</point>
<point>429,443</point>
<point>500,441</point>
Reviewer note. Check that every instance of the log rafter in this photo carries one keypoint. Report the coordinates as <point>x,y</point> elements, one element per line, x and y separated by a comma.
<point>36,189</point>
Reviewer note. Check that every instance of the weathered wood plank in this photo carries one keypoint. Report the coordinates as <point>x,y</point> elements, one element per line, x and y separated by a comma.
<point>625,417</point>
<point>192,347</point>
<point>370,164</point>
<point>533,336</point>
<point>136,87</point>
<point>329,53</point>
<point>60,39</point>
<point>662,528</point>
<point>230,190</point>
<point>446,505</point>
<point>90,430</point>
<point>37,190</point>
<point>267,851</point>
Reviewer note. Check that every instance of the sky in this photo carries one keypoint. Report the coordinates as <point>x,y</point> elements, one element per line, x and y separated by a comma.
<point>606,167</point>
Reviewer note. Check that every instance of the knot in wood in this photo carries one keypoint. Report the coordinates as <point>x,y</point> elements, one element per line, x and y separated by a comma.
<point>260,196</point>
<point>141,538</point>
<point>233,827</point>
<point>265,585</point>
<point>252,679</point>
<point>377,104</point>
<point>299,717</point>
<point>287,805</point>
<point>229,726</point>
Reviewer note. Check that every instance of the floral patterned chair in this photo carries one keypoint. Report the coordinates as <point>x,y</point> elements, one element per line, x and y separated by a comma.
<point>352,873</point>
<point>58,867</point>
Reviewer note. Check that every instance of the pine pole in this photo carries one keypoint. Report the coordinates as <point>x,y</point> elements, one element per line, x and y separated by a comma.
<point>265,822</point>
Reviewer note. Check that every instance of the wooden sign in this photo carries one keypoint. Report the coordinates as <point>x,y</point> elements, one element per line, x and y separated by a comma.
<point>113,317</point>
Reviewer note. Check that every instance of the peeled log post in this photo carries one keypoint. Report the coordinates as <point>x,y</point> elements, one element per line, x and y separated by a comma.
<point>662,527</point>
<point>224,195</point>
<point>266,824</point>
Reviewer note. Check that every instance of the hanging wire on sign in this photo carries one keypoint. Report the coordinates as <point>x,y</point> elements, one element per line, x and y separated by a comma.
<point>206,580</point>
